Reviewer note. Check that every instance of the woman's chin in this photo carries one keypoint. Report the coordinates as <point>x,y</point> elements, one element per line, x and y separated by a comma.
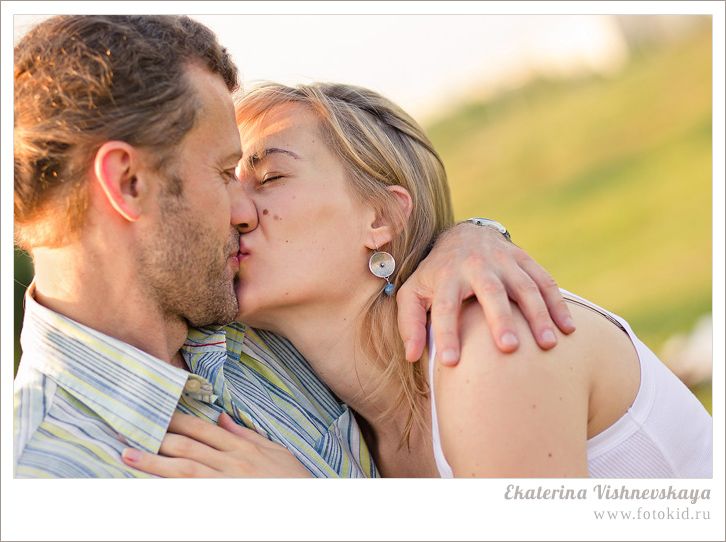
<point>244,304</point>
<point>250,314</point>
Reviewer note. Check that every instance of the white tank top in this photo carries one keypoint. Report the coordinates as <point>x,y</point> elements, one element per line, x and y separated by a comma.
<point>666,433</point>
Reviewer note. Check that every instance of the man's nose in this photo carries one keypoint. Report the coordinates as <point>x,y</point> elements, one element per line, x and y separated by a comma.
<point>244,211</point>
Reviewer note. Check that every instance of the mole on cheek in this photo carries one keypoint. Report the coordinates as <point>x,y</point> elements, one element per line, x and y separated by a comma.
<point>265,212</point>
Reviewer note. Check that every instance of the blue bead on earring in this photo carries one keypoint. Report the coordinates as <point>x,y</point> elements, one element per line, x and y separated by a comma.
<point>383,265</point>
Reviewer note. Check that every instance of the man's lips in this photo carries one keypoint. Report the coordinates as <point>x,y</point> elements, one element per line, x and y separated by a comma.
<point>239,256</point>
<point>234,250</point>
<point>234,256</point>
<point>234,259</point>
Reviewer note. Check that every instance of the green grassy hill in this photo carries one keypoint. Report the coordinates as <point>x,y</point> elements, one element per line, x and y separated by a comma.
<point>606,182</point>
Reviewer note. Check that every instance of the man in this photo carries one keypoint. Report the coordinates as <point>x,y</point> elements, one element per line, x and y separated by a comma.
<point>127,200</point>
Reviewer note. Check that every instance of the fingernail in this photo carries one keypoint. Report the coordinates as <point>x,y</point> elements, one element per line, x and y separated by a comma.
<point>569,323</point>
<point>509,339</point>
<point>548,336</point>
<point>449,356</point>
<point>131,454</point>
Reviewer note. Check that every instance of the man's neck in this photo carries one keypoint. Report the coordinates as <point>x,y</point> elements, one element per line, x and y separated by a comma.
<point>105,296</point>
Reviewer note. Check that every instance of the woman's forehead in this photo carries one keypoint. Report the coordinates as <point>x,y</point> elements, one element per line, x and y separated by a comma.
<point>287,120</point>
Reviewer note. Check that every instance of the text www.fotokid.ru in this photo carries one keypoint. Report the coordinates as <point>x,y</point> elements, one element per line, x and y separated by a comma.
<point>646,514</point>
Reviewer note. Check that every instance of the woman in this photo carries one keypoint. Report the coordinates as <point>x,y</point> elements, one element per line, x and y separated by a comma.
<point>350,193</point>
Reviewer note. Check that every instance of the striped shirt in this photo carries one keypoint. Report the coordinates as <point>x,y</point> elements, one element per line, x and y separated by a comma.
<point>265,384</point>
<point>77,390</point>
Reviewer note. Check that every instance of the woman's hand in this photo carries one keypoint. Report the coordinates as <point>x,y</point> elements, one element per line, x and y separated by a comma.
<point>466,261</point>
<point>194,448</point>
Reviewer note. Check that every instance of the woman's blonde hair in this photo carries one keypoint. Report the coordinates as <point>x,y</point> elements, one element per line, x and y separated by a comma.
<point>380,145</point>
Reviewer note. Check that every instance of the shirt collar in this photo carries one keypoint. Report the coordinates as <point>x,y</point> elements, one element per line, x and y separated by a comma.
<point>205,339</point>
<point>132,391</point>
<point>220,341</point>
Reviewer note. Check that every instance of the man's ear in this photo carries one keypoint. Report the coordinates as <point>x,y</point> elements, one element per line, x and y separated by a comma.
<point>384,229</point>
<point>116,168</point>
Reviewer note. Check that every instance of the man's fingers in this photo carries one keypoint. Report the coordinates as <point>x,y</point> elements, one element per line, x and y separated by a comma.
<point>445,312</point>
<point>523,291</point>
<point>493,297</point>
<point>166,467</point>
<point>412,316</point>
<point>549,290</point>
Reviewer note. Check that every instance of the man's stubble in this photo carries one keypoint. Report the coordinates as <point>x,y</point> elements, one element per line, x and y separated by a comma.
<point>185,267</point>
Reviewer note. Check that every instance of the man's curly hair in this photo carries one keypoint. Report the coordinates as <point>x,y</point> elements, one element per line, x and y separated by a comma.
<point>83,80</point>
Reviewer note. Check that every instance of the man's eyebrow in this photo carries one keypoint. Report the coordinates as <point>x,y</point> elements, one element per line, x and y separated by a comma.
<point>253,160</point>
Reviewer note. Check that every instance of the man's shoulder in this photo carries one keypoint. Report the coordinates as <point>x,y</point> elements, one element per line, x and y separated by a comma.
<point>57,436</point>
<point>32,398</point>
<point>49,455</point>
<point>68,441</point>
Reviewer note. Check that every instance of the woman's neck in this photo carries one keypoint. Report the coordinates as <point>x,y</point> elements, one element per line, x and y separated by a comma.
<point>395,457</point>
<point>328,339</point>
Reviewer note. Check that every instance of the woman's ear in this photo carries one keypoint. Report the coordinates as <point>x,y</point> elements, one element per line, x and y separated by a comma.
<point>116,169</point>
<point>385,228</point>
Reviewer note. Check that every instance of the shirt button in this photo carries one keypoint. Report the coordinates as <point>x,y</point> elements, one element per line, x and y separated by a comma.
<point>192,385</point>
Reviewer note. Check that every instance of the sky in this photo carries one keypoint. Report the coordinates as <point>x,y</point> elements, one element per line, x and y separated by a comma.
<point>426,56</point>
<point>423,62</point>
<point>426,63</point>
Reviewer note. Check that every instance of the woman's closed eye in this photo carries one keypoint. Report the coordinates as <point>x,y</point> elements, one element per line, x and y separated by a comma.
<point>269,177</point>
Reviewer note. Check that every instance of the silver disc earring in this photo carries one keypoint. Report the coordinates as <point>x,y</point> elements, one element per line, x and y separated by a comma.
<point>383,265</point>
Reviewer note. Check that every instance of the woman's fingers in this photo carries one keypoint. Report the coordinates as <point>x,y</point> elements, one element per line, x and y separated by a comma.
<point>227,423</point>
<point>220,438</point>
<point>226,435</point>
<point>167,467</point>
<point>194,448</point>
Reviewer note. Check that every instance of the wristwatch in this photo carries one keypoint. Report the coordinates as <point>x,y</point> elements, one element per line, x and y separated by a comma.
<point>492,224</point>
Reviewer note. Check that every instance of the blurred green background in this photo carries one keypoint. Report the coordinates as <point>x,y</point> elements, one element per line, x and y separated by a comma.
<point>605,181</point>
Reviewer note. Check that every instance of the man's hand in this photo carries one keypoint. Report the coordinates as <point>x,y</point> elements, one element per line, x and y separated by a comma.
<point>469,260</point>
<point>194,448</point>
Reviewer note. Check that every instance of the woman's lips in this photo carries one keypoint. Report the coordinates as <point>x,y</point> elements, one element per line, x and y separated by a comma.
<point>244,252</point>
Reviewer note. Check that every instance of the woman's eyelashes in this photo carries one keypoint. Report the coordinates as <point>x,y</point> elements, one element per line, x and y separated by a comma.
<point>269,177</point>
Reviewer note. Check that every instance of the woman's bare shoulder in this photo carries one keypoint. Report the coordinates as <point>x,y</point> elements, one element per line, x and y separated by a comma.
<point>493,406</point>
